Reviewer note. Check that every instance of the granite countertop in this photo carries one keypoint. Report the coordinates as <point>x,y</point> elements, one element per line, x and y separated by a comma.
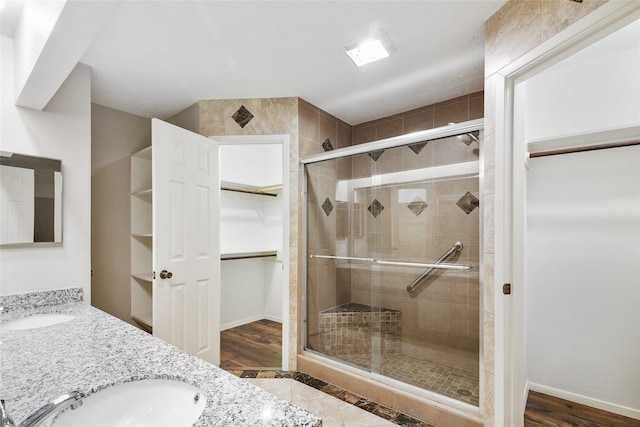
<point>96,350</point>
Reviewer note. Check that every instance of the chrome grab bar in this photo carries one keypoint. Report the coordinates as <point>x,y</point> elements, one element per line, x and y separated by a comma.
<point>439,264</point>
<point>457,247</point>
<point>442,266</point>
<point>348,258</point>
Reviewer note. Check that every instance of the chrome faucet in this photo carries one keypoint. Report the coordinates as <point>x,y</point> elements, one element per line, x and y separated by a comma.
<point>72,399</point>
<point>5,419</point>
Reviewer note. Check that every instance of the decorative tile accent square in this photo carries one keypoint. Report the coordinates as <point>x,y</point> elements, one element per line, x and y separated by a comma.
<point>375,208</point>
<point>242,116</point>
<point>326,145</point>
<point>468,202</point>
<point>249,374</point>
<point>375,155</point>
<point>417,206</point>
<point>302,377</point>
<point>417,148</point>
<point>327,206</point>
<point>407,421</point>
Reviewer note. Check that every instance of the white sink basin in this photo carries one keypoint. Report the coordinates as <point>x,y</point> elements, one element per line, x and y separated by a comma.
<point>35,321</point>
<point>146,403</point>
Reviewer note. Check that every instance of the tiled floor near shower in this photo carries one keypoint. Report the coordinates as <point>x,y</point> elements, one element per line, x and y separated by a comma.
<point>336,406</point>
<point>452,382</point>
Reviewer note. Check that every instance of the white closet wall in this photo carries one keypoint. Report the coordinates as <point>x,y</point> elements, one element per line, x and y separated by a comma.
<point>245,226</point>
<point>251,224</point>
<point>594,90</point>
<point>583,289</point>
<point>273,268</point>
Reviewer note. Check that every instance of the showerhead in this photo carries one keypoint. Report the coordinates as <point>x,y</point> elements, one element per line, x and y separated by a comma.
<point>470,137</point>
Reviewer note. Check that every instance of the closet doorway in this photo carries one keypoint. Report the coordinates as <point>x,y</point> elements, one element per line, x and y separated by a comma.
<point>575,168</point>
<point>254,251</point>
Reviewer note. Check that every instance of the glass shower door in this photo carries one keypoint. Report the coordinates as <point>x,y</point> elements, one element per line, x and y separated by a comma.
<point>376,223</point>
<point>338,249</point>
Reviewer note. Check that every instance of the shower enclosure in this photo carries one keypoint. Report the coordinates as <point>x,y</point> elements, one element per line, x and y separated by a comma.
<point>392,260</point>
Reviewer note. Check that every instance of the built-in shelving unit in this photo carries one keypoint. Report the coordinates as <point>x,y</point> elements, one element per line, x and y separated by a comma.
<point>141,239</point>
<point>251,246</point>
<point>251,242</point>
<point>145,319</point>
<point>145,195</point>
<point>145,277</point>
<point>142,235</point>
<point>270,190</point>
<point>225,256</point>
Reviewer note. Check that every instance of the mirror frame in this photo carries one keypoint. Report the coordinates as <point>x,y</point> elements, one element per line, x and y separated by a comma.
<point>39,164</point>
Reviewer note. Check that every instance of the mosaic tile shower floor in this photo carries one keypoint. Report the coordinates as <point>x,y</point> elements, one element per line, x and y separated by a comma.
<point>451,382</point>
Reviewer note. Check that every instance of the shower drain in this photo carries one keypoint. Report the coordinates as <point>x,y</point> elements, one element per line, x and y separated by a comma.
<point>463,392</point>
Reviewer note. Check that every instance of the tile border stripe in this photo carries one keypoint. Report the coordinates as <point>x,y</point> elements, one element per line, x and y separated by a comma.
<point>370,406</point>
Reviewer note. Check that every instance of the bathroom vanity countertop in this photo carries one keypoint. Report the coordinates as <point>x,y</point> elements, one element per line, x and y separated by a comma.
<point>96,350</point>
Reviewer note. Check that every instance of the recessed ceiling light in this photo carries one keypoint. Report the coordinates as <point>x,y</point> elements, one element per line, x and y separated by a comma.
<point>366,52</point>
<point>375,48</point>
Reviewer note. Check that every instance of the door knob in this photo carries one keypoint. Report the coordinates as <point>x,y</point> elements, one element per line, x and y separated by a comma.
<point>164,274</point>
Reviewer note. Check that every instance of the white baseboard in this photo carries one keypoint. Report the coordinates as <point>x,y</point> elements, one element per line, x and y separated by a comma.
<point>273,318</point>
<point>240,322</point>
<point>585,400</point>
<point>527,387</point>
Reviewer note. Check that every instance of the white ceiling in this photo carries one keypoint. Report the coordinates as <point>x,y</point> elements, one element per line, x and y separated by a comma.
<point>155,58</point>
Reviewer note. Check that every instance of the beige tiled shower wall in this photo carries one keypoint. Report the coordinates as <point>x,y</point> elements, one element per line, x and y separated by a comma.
<point>319,132</point>
<point>460,109</point>
<point>517,28</point>
<point>441,320</point>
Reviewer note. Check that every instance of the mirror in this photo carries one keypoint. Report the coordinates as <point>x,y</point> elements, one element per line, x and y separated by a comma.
<point>30,200</point>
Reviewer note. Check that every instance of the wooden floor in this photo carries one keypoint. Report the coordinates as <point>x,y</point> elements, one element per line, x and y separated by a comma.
<point>254,345</point>
<point>544,410</point>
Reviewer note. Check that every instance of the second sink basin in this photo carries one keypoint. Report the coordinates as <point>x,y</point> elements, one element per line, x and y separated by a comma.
<point>35,321</point>
<point>145,403</point>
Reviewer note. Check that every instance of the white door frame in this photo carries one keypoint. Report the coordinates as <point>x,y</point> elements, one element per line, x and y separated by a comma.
<point>510,379</point>
<point>284,141</point>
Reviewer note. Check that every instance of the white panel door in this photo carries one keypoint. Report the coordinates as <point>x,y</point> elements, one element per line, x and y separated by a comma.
<point>16,204</point>
<point>185,240</point>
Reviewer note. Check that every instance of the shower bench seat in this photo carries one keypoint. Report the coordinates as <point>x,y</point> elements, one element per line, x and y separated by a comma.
<point>348,329</point>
